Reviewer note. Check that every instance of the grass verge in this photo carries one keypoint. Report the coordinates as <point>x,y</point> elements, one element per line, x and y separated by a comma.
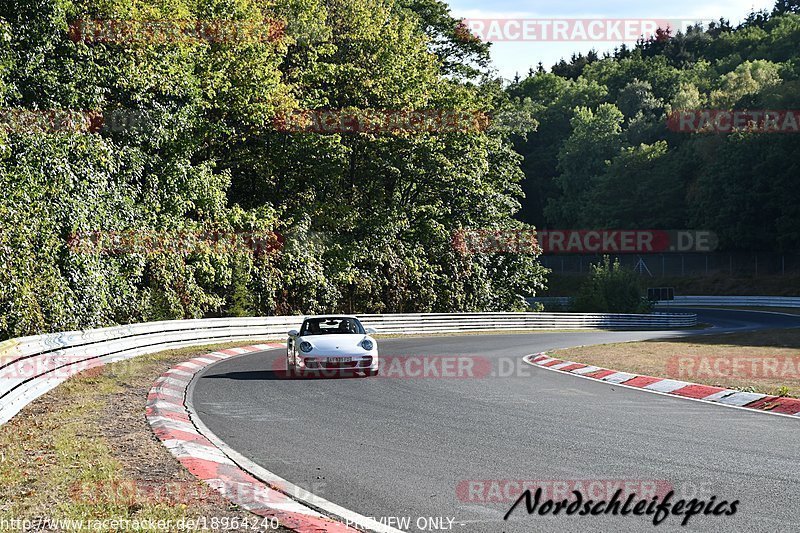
<point>765,361</point>
<point>85,452</point>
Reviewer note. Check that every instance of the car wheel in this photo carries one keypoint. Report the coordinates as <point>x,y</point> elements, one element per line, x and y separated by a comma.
<point>291,369</point>
<point>370,372</point>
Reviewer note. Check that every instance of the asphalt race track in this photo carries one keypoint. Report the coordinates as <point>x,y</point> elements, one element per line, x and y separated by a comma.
<point>408,447</point>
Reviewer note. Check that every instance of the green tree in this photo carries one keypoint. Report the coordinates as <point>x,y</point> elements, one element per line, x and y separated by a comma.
<point>595,139</point>
<point>641,188</point>
<point>368,217</point>
<point>637,97</point>
<point>611,288</point>
<point>748,78</point>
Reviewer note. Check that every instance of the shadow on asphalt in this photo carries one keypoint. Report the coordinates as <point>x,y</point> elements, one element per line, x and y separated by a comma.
<point>282,375</point>
<point>764,338</point>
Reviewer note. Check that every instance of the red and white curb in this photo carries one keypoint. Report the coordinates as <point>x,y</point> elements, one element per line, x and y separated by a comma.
<point>201,452</point>
<point>731,398</point>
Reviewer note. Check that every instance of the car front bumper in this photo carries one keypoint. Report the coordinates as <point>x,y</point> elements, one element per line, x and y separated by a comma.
<point>326,363</point>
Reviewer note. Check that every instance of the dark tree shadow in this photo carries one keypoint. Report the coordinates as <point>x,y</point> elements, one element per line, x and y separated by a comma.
<point>766,338</point>
<point>282,375</point>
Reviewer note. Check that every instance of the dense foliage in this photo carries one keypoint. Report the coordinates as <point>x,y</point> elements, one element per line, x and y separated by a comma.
<point>611,288</point>
<point>603,156</point>
<point>366,218</point>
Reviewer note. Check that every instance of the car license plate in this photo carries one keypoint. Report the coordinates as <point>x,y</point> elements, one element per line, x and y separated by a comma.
<point>340,359</point>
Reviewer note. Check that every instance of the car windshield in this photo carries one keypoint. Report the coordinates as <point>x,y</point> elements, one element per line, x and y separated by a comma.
<point>332,325</point>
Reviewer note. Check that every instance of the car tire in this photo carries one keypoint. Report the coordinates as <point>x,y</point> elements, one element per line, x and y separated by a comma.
<point>291,369</point>
<point>370,372</point>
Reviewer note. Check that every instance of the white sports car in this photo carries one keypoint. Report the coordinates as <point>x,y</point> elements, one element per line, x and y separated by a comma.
<point>331,343</point>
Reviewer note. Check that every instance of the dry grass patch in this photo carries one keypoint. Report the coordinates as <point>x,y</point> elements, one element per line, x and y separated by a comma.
<point>85,451</point>
<point>766,361</point>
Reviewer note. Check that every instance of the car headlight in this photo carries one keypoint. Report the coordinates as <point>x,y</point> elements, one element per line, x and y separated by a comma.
<point>367,344</point>
<point>306,347</point>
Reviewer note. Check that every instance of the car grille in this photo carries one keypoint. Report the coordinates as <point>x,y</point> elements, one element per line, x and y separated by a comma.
<point>366,362</point>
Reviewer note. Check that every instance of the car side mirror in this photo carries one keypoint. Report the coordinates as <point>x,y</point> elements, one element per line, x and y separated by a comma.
<point>293,333</point>
<point>370,331</point>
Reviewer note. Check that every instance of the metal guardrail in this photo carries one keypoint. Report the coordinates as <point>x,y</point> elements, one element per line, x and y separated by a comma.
<point>455,322</point>
<point>32,366</point>
<point>733,301</point>
<point>688,301</point>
